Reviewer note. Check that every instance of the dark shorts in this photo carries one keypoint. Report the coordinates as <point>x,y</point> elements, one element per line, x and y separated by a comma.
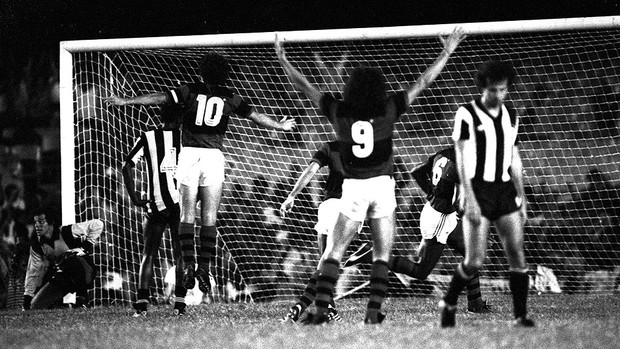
<point>165,217</point>
<point>496,199</point>
<point>74,273</point>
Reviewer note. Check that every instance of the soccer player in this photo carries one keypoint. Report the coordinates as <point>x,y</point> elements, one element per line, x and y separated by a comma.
<point>439,225</point>
<point>67,248</point>
<point>491,178</point>
<point>364,122</point>
<point>160,149</point>
<point>327,155</point>
<point>208,107</point>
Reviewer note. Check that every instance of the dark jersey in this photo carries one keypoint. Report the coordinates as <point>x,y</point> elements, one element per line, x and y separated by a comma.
<point>208,110</point>
<point>329,155</point>
<point>493,138</point>
<point>160,149</point>
<point>365,143</point>
<point>439,179</point>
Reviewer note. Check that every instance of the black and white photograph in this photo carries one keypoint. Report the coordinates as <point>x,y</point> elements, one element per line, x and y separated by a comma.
<point>309,174</point>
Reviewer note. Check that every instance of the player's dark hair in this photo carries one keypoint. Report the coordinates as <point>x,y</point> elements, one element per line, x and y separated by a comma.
<point>365,91</point>
<point>170,113</point>
<point>52,215</point>
<point>214,69</point>
<point>494,71</point>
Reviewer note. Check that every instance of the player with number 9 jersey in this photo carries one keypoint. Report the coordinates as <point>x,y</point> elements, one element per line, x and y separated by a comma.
<point>365,140</point>
<point>364,124</point>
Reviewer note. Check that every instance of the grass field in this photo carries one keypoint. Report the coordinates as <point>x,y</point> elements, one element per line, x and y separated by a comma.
<point>563,321</point>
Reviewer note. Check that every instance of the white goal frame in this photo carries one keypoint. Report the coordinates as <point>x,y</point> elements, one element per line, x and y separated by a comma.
<point>70,51</point>
<point>68,47</point>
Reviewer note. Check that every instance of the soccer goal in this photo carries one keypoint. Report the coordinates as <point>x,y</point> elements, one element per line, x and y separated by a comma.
<point>566,94</point>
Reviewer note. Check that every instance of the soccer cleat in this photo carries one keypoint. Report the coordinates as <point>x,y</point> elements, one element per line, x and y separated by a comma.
<point>448,314</point>
<point>332,314</point>
<point>204,280</point>
<point>524,322</point>
<point>179,309</point>
<point>362,255</point>
<point>380,318</point>
<point>140,308</point>
<point>479,306</point>
<point>293,314</point>
<point>189,280</point>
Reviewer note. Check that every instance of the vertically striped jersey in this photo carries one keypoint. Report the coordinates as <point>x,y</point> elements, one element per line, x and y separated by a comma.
<point>329,155</point>
<point>208,110</point>
<point>489,141</point>
<point>160,149</point>
<point>365,142</point>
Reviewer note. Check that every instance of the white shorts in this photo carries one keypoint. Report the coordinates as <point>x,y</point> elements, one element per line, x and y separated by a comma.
<point>436,224</point>
<point>328,215</point>
<point>200,167</point>
<point>368,198</point>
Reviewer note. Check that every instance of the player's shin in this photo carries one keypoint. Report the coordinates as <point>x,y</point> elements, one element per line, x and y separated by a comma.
<point>378,291</point>
<point>325,285</point>
<point>519,286</point>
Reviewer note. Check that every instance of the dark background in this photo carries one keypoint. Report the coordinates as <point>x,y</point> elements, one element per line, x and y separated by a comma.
<point>34,24</point>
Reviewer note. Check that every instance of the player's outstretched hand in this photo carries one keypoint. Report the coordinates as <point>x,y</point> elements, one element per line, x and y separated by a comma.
<point>114,100</point>
<point>453,40</point>
<point>288,123</point>
<point>286,206</point>
<point>280,52</point>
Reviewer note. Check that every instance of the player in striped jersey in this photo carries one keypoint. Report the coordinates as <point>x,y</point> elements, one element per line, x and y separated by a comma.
<point>491,177</point>
<point>364,122</point>
<point>439,225</point>
<point>208,107</point>
<point>160,150</point>
<point>327,155</point>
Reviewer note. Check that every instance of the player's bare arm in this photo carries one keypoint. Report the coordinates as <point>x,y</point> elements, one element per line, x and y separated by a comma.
<point>146,99</point>
<point>287,123</point>
<point>426,79</point>
<point>130,186</point>
<point>301,183</point>
<point>300,81</point>
<point>516,171</point>
<point>468,203</point>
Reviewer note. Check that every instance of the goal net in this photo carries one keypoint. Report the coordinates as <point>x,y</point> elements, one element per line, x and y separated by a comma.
<point>566,95</point>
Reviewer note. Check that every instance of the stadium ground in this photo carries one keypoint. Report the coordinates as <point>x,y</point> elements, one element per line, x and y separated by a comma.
<point>563,321</point>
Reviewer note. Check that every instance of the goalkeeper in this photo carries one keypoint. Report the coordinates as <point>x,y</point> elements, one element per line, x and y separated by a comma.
<point>66,248</point>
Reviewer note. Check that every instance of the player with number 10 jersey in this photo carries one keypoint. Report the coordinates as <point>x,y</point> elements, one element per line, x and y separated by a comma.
<point>208,111</point>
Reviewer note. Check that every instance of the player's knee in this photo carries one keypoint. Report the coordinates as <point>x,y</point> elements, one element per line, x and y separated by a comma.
<point>473,265</point>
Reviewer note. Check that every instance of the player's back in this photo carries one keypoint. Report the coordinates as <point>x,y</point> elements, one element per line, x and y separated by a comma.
<point>160,149</point>
<point>329,155</point>
<point>444,179</point>
<point>365,142</point>
<point>208,111</point>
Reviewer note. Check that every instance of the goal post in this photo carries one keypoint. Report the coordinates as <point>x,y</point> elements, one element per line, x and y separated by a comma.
<point>566,94</point>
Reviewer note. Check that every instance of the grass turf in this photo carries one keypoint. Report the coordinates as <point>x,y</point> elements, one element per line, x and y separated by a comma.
<point>563,321</point>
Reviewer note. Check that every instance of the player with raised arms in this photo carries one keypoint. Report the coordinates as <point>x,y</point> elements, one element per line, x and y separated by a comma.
<point>364,123</point>
<point>208,107</point>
